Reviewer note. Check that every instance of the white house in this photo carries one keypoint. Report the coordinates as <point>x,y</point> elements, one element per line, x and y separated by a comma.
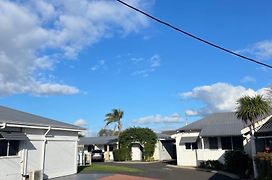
<point>33,145</point>
<point>106,143</point>
<point>164,148</point>
<point>208,138</point>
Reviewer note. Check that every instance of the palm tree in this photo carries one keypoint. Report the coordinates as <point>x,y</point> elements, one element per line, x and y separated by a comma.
<point>249,110</point>
<point>114,117</point>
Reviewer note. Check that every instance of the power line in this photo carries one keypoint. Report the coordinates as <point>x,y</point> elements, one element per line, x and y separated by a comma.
<point>195,37</point>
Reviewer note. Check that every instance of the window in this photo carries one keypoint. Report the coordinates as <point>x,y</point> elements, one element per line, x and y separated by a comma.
<point>226,143</point>
<point>237,143</point>
<point>194,145</point>
<point>9,148</point>
<point>213,143</point>
<point>187,145</point>
<point>191,145</point>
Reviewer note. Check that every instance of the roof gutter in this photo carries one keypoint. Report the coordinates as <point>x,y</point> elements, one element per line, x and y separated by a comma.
<point>44,148</point>
<point>42,127</point>
<point>4,125</point>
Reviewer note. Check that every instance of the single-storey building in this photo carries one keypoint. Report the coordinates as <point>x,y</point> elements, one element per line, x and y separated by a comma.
<point>264,137</point>
<point>208,138</point>
<point>32,145</point>
<point>164,149</point>
<point>105,143</point>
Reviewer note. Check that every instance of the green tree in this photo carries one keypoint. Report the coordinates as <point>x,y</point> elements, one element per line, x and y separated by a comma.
<point>144,136</point>
<point>114,117</point>
<point>250,109</point>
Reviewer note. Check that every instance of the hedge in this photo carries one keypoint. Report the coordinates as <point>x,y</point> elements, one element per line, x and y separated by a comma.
<point>264,166</point>
<point>122,154</point>
<point>238,162</point>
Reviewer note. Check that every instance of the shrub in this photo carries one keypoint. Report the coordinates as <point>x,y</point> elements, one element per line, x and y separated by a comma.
<point>212,164</point>
<point>238,162</point>
<point>144,136</point>
<point>264,165</point>
<point>122,154</point>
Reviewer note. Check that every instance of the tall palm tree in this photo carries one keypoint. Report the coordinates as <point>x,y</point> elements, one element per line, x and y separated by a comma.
<point>250,109</point>
<point>114,117</point>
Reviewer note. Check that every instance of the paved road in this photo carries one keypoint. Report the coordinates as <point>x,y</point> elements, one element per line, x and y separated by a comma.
<point>153,170</point>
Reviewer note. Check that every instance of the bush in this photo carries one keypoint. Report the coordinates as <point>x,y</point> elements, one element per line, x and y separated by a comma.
<point>264,165</point>
<point>217,165</point>
<point>122,154</point>
<point>238,162</point>
<point>144,136</point>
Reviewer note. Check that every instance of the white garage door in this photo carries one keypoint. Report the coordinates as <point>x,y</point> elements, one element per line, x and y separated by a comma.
<point>60,158</point>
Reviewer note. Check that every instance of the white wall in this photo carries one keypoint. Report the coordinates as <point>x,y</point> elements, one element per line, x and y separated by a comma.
<point>60,155</point>
<point>10,168</point>
<point>60,158</point>
<point>161,152</point>
<point>136,153</point>
<point>190,157</point>
<point>185,157</point>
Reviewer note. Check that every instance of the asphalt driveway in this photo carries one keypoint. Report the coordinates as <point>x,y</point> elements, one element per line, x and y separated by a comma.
<point>154,171</point>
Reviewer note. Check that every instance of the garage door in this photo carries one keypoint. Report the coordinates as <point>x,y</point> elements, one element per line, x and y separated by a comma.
<point>60,158</point>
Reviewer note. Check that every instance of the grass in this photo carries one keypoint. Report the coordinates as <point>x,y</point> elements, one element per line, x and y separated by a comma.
<point>107,168</point>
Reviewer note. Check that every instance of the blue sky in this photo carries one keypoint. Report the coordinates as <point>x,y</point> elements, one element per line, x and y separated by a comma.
<point>75,61</point>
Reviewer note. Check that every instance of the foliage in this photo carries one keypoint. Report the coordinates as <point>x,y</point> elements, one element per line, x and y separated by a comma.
<point>107,168</point>
<point>264,166</point>
<point>122,154</point>
<point>238,162</point>
<point>114,117</point>
<point>251,108</point>
<point>210,164</point>
<point>144,136</point>
<point>107,132</point>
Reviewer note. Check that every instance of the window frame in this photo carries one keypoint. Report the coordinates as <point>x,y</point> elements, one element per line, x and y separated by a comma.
<point>213,146</point>
<point>9,148</point>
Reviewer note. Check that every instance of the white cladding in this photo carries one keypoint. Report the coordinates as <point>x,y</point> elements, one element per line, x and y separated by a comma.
<point>163,150</point>
<point>136,153</point>
<point>57,153</point>
<point>193,157</point>
<point>10,168</point>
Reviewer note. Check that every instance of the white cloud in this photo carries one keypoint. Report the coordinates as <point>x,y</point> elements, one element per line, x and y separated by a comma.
<point>262,49</point>
<point>37,34</point>
<point>146,66</point>
<point>191,112</point>
<point>248,79</point>
<point>155,61</point>
<point>100,65</point>
<point>81,122</point>
<point>159,119</point>
<point>217,97</point>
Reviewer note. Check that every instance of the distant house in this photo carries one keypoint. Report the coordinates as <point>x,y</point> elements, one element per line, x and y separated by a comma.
<point>164,149</point>
<point>264,137</point>
<point>33,145</point>
<point>106,143</point>
<point>208,138</point>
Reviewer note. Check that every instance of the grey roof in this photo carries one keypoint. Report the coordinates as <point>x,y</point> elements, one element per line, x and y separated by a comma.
<point>184,140</point>
<point>8,115</point>
<point>267,127</point>
<point>98,140</point>
<point>112,139</point>
<point>169,132</point>
<point>164,136</point>
<point>217,124</point>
